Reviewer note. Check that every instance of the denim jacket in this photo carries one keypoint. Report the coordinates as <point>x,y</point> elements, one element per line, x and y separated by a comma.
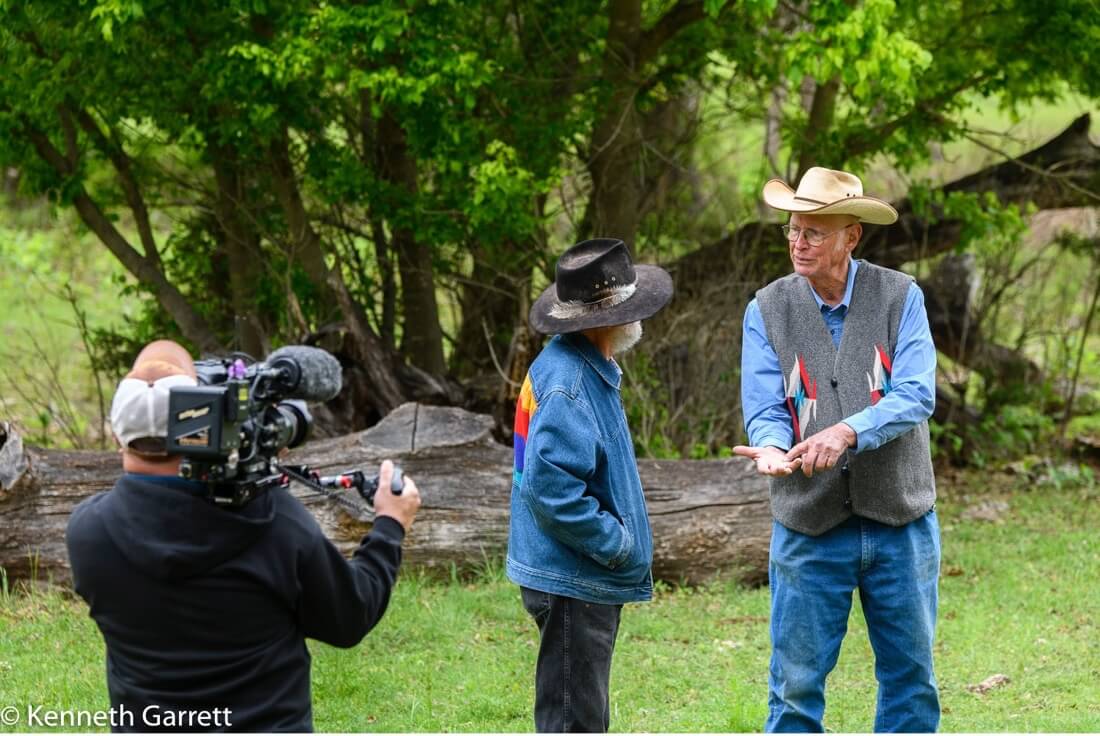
<point>579,524</point>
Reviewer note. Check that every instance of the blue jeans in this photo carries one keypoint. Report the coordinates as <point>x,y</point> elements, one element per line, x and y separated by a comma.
<point>573,674</point>
<point>896,570</point>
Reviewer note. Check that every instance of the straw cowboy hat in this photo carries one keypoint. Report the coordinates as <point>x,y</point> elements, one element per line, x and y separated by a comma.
<point>597,285</point>
<point>829,192</point>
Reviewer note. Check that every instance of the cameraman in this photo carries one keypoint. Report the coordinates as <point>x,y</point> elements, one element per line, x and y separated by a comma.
<point>205,610</point>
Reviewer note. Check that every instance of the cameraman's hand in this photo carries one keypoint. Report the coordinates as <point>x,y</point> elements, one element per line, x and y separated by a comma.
<point>403,508</point>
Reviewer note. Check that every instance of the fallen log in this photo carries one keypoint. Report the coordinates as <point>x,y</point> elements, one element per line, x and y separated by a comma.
<point>710,518</point>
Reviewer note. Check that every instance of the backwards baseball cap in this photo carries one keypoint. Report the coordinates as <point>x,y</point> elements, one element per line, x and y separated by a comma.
<point>139,411</point>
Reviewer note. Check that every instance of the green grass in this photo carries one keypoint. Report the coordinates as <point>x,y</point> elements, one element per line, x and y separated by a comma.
<point>1019,596</point>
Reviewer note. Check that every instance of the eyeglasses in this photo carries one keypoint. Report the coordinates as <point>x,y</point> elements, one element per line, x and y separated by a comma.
<point>814,237</point>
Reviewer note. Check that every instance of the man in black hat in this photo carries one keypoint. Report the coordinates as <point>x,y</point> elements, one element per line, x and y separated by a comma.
<point>579,544</point>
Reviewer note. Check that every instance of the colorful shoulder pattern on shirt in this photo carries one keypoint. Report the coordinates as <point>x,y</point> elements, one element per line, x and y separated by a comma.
<point>525,409</point>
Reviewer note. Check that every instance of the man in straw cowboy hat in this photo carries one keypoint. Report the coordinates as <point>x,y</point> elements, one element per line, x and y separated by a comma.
<point>838,382</point>
<point>579,543</point>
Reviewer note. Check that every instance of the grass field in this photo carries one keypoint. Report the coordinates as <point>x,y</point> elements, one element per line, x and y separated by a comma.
<point>1020,596</point>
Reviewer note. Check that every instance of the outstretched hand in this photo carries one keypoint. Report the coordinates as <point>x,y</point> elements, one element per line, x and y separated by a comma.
<point>823,451</point>
<point>769,460</point>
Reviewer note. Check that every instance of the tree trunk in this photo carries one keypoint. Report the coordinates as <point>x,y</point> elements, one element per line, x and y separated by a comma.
<point>307,247</point>
<point>710,518</point>
<point>490,301</point>
<point>384,260</point>
<point>612,209</point>
<point>621,182</point>
<point>241,245</point>
<point>422,337</point>
<point>821,119</point>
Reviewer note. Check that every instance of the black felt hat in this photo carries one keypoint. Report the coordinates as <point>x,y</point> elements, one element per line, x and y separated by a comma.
<point>597,285</point>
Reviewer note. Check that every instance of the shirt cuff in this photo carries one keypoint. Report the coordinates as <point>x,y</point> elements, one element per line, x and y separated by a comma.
<point>865,436</point>
<point>782,443</point>
<point>389,529</point>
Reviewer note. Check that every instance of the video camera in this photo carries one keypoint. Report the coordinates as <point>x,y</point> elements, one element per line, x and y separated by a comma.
<point>231,427</point>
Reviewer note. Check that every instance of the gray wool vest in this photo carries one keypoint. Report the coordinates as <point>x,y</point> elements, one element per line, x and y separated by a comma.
<point>893,484</point>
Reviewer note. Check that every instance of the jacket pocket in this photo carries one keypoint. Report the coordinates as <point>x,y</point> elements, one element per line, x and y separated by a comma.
<point>627,547</point>
<point>638,560</point>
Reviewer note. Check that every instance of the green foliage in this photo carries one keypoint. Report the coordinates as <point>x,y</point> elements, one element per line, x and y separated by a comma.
<point>863,48</point>
<point>1015,429</point>
<point>647,404</point>
<point>946,439</point>
<point>463,132</point>
<point>903,68</point>
<point>502,194</point>
<point>990,227</point>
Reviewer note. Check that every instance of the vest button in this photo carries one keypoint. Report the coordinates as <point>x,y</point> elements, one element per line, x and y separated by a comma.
<point>834,382</point>
<point>845,470</point>
<point>847,503</point>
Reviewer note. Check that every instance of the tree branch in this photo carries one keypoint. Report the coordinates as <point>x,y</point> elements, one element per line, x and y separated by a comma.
<point>68,130</point>
<point>191,324</point>
<point>112,149</point>
<point>679,17</point>
<point>929,106</point>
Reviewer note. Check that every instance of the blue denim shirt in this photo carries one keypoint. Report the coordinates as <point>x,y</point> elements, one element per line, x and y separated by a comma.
<point>912,394</point>
<point>579,524</point>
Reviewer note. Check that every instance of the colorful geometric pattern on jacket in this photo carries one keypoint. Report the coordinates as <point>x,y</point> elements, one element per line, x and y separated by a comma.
<point>879,381</point>
<point>801,397</point>
<point>525,409</point>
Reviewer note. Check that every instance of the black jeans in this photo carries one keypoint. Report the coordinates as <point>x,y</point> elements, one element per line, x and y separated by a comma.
<point>573,674</point>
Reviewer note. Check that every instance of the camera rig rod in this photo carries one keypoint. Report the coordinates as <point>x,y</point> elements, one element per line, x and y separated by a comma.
<point>330,485</point>
<point>310,479</point>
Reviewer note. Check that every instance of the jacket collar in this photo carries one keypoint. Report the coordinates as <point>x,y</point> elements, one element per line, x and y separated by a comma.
<point>608,370</point>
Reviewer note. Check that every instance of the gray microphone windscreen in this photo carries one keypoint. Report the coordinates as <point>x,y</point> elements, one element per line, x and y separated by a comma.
<point>320,376</point>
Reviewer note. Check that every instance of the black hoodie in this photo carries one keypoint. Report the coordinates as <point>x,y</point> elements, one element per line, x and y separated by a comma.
<point>206,608</point>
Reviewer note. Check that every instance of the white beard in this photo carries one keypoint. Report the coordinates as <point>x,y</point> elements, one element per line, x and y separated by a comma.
<point>624,337</point>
